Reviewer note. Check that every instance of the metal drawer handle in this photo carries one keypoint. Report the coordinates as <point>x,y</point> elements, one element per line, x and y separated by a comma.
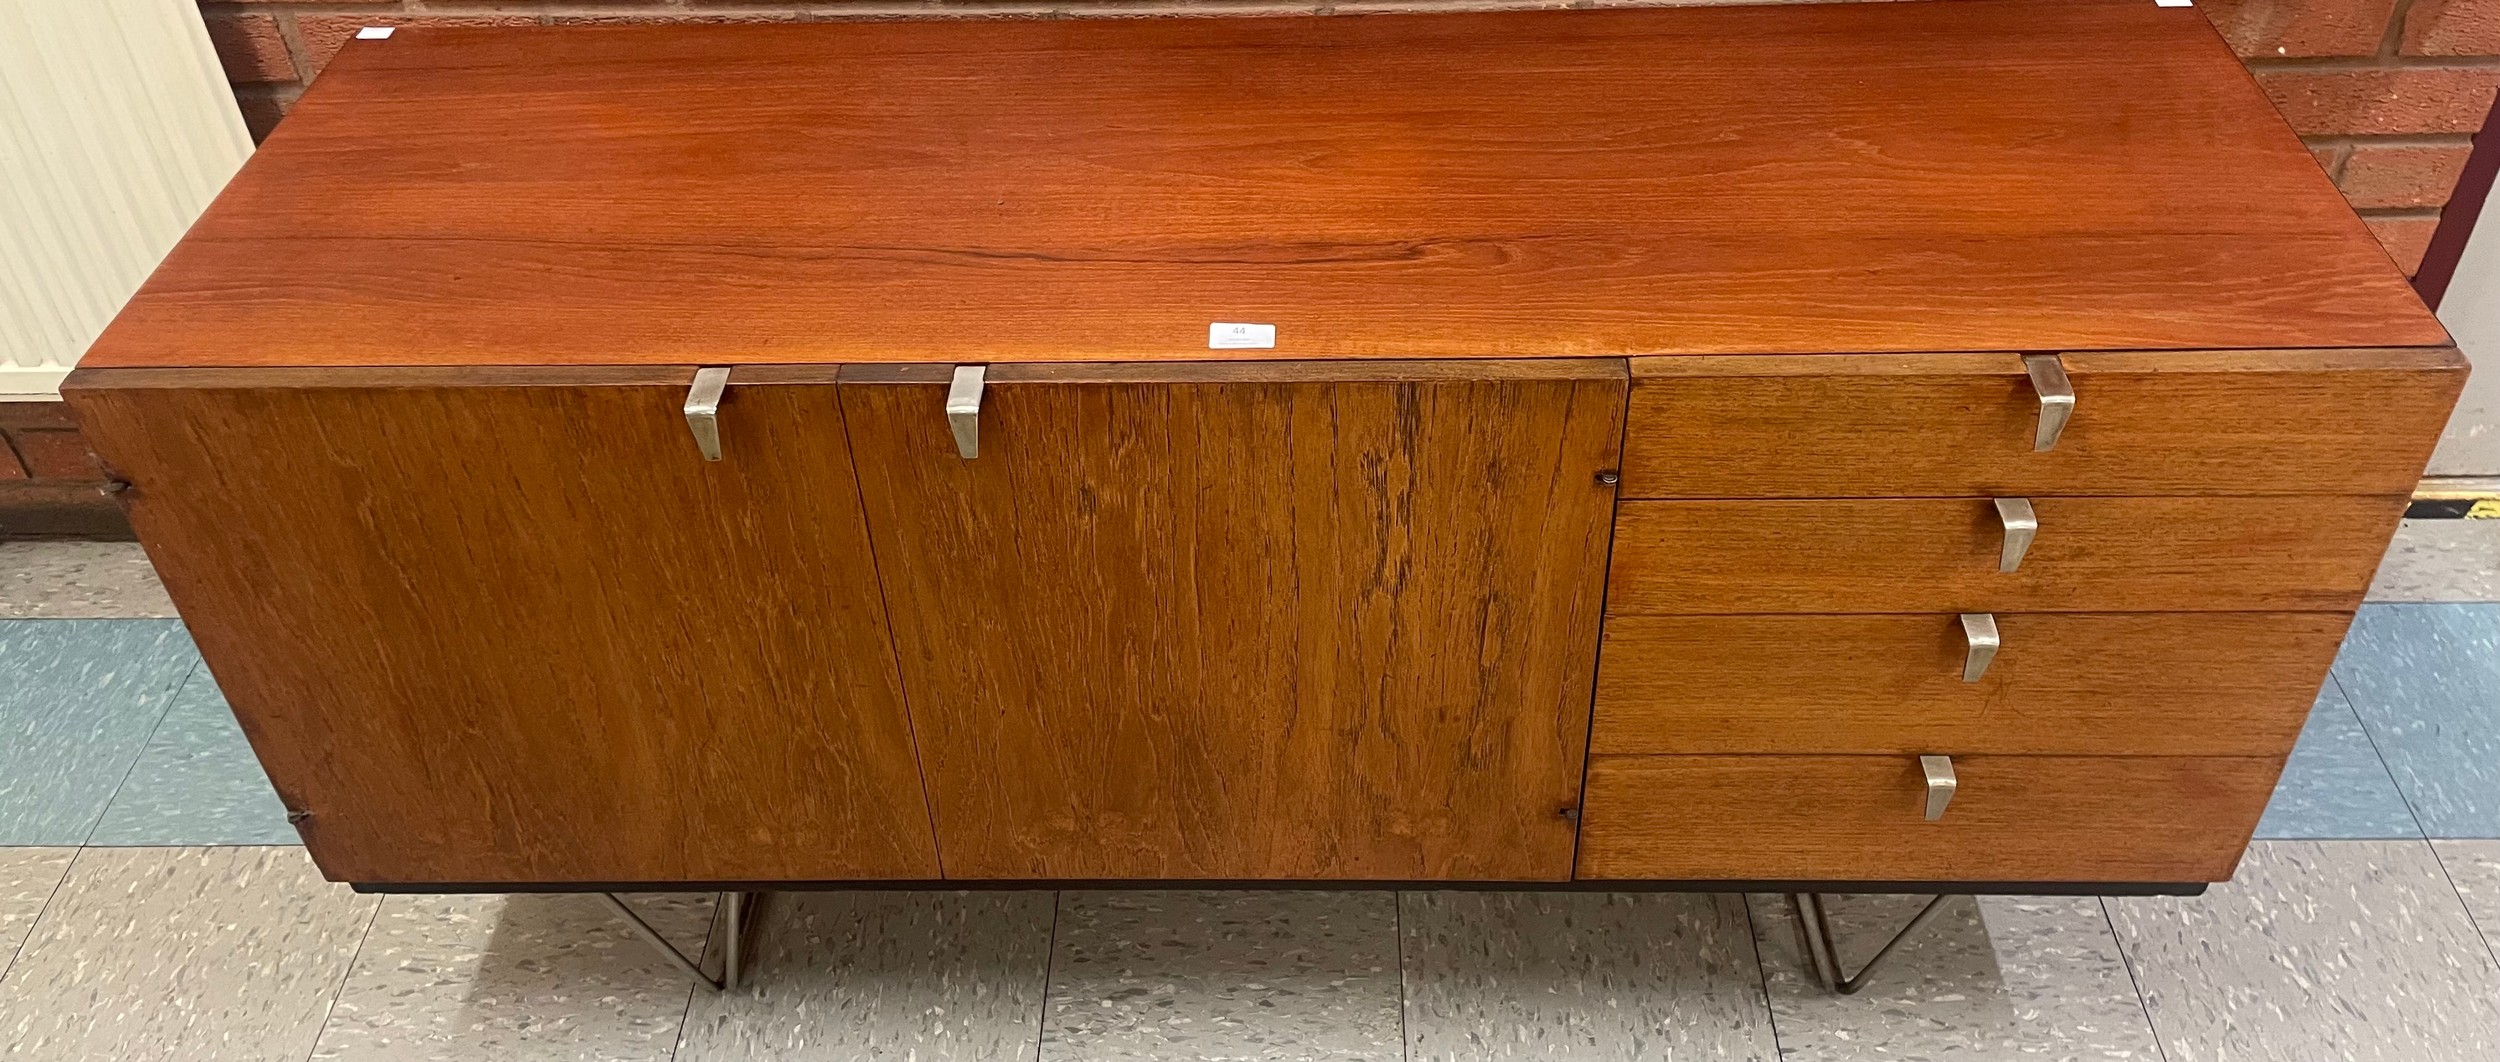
<point>2021,523</point>
<point>1980,644</point>
<point>1940,783</point>
<point>2057,397</point>
<point>963,408</point>
<point>703,409</point>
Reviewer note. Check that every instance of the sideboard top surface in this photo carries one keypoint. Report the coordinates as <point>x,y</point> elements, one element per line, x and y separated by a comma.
<point>1976,175</point>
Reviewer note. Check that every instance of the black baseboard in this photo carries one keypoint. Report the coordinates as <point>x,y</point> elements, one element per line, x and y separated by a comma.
<point>60,510</point>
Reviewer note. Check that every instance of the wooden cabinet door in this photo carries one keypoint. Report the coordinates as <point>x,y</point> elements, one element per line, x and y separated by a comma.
<point>1273,621</point>
<point>509,626</point>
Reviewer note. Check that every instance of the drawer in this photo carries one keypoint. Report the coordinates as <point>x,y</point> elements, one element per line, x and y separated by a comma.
<point>2091,684</point>
<point>2180,554</point>
<point>1910,425</point>
<point>1862,818</point>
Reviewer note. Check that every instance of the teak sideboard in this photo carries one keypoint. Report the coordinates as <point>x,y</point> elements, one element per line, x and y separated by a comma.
<point>1931,444</point>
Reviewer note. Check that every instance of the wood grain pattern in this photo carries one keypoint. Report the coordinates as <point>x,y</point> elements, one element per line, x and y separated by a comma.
<point>2142,684</point>
<point>1837,818</point>
<point>1939,555</point>
<point>1923,425</point>
<point>523,633</point>
<point>1985,175</point>
<point>1278,625</point>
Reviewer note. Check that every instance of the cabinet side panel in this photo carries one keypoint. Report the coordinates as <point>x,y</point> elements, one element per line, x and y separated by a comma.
<point>525,634</point>
<point>1272,629</point>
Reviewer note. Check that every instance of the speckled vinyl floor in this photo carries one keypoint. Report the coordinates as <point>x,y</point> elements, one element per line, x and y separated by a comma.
<point>153,905</point>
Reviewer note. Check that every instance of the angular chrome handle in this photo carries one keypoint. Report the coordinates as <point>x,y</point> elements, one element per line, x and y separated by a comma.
<point>2021,524</point>
<point>703,409</point>
<point>963,408</point>
<point>2057,397</point>
<point>1940,783</point>
<point>1980,644</point>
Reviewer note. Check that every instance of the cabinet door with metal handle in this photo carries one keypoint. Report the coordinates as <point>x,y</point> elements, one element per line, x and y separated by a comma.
<point>650,591</point>
<point>1142,535</point>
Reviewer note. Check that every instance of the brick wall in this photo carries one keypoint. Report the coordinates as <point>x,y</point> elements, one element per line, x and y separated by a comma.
<point>2388,93</point>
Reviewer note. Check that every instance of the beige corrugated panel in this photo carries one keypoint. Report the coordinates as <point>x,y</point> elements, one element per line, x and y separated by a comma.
<point>116,128</point>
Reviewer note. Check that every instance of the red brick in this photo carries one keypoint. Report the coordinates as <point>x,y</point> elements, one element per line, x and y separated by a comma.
<point>2333,102</point>
<point>2405,238</point>
<point>321,36</point>
<point>2330,157</point>
<point>56,455</point>
<point>251,48</point>
<point>46,414</point>
<point>2402,176</point>
<point>2300,27</point>
<point>2452,27</point>
<point>261,114</point>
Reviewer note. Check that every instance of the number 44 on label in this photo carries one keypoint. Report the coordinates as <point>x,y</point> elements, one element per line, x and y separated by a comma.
<point>1226,335</point>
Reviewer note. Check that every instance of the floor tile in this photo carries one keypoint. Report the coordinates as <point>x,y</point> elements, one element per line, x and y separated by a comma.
<point>2349,951</point>
<point>1994,977</point>
<point>2474,868</point>
<point>873,976</point>
<point>28,877</point>
<point>197,954</point>
<point>196,782</point>
<point>78,699</point>
<point>79,580</point>
<point>2425,680</point>
<point>1307,976</point>
<point>1581,976</point>
<point>515,977</point>
<point>2335,786</point>
<point>2441,560</point>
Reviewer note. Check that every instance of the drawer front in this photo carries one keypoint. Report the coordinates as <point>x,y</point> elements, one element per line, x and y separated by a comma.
<point>1912,425</point>
<point>2086,684</point>
<point>1861,818</point>
<point>2185,554</point>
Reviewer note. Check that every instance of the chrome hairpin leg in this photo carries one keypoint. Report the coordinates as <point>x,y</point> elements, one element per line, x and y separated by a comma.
<point>1823,950</point>
<point>740,908</point>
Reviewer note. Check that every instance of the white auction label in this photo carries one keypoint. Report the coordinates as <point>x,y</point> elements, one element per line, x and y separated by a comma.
<point>1226,335</point>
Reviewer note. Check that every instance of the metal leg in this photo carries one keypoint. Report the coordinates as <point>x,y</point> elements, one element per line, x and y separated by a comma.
<point>740,908</point>
<point>1824,951</point>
